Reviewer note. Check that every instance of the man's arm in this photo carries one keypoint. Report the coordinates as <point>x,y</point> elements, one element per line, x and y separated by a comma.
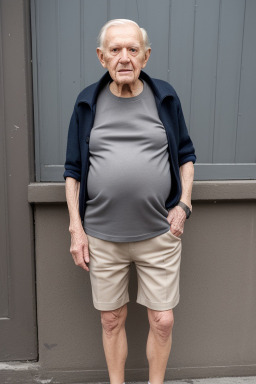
<point>187,177</point>
<point>79,242</point>
<point>177,216</point>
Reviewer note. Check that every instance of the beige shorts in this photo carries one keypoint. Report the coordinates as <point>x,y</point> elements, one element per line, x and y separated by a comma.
<point>157,262</point>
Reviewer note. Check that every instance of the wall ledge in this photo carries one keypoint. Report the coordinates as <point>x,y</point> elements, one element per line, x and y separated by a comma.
<point>202,191</point>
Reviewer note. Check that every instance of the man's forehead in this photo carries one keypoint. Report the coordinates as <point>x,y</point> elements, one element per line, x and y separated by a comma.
<point>129,32</point>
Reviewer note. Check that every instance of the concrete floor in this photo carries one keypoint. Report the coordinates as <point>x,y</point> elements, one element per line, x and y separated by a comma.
<point>223,380</point>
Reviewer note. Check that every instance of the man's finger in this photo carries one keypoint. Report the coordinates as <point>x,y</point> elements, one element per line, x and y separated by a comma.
<point>84,265</point>
<point>86,254</point>
<point>87,258</point>
<point>79,260</point>
<point>177,230</point>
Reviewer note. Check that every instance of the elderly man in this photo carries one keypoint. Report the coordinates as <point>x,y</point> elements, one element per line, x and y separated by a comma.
<point>129,174</point>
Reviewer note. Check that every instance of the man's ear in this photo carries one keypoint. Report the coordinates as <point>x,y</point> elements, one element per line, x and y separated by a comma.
<point>101,57</point>
<point>146,57</point>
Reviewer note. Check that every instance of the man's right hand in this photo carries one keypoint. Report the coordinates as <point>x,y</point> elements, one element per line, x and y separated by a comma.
<point>79,249</point>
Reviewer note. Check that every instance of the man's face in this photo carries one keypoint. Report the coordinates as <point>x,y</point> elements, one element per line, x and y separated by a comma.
<point>123,53</point>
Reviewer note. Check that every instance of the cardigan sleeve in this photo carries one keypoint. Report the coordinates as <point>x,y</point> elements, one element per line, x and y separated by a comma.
<point>73,155</point>
<point>186,150</point>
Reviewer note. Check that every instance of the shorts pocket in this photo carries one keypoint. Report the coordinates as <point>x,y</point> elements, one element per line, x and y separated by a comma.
<point>174,236</point>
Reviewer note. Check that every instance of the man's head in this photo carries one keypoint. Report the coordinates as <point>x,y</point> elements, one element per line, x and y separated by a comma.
<point>123,49</point>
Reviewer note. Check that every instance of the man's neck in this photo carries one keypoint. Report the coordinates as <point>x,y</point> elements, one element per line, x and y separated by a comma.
<point>126,90</point>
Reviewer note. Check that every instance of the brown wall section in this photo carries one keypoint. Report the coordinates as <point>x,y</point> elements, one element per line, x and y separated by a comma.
<point>18,328</point>
<point>214,328</point>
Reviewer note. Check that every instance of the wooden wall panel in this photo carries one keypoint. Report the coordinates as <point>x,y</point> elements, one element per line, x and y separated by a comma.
<point>182,26</point>
<point>4,224</point>
<point>155,17</point>
<point>123,9</point>
<point>49,72</point>
<point>246,132</point>
<point>204,77</point>
<point>92,21</point>
<point>69,58</point>
<point>228,80</point>
<point>18,326</point>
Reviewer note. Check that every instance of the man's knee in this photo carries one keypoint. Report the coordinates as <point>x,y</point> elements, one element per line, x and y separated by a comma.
<point>112,321</point>
<point>161,323</point>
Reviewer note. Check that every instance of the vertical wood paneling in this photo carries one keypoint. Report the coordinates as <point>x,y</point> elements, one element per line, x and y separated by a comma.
<point>181,51</point>
<point>48,65</point>
<point>117,9</point>
<point>4,251</point>
<point>94,16</point>
<point>204,77</point>
<point>246,132</point>
<point>59,69</point>
<point>228,74</point>
<point>34,10</point>
<point>197,45</point>
<point>123,9</point>
<point>69,61</point>
<point>154,16</point>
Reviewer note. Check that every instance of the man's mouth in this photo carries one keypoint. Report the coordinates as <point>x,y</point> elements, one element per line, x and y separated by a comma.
<point>124,70</point>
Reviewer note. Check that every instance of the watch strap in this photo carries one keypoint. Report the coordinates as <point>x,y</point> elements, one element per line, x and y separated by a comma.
<point>186,208</point>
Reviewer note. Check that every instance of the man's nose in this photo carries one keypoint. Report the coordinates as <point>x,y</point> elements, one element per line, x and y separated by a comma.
<point>124,56</point>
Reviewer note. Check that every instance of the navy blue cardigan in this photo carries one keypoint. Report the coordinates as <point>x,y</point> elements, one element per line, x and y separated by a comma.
<point>180,146</point>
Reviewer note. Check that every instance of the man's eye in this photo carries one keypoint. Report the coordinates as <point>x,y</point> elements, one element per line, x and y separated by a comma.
<point>133,50</point>
<point>114,50</point>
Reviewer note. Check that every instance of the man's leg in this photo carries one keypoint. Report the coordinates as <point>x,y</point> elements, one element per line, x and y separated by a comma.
<point>115,342</point>
<point>159,343</point>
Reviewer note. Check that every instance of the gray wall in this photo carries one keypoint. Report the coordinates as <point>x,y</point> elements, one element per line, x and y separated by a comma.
<point>205,48</point>
<point>214,332</point>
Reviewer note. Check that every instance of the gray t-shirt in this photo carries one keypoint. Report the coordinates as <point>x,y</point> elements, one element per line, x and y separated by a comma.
<point>129,176</point>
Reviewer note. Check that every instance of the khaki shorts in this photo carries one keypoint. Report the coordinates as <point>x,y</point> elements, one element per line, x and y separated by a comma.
<point>157,262</point>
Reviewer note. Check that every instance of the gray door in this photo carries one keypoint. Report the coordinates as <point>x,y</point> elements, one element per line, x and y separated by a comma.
<point>18,331</point>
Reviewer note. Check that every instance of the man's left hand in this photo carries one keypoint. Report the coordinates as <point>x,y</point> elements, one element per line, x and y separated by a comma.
<point>176,218</point>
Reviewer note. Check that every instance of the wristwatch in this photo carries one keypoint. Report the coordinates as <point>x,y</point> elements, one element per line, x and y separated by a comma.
<point>187,210</point>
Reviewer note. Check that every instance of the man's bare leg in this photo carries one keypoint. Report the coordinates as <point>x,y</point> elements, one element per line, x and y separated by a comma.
<point>115,342</point>
<point>159,343</point>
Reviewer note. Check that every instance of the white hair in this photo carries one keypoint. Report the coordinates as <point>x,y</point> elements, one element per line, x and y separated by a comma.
<point>117,22</point>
